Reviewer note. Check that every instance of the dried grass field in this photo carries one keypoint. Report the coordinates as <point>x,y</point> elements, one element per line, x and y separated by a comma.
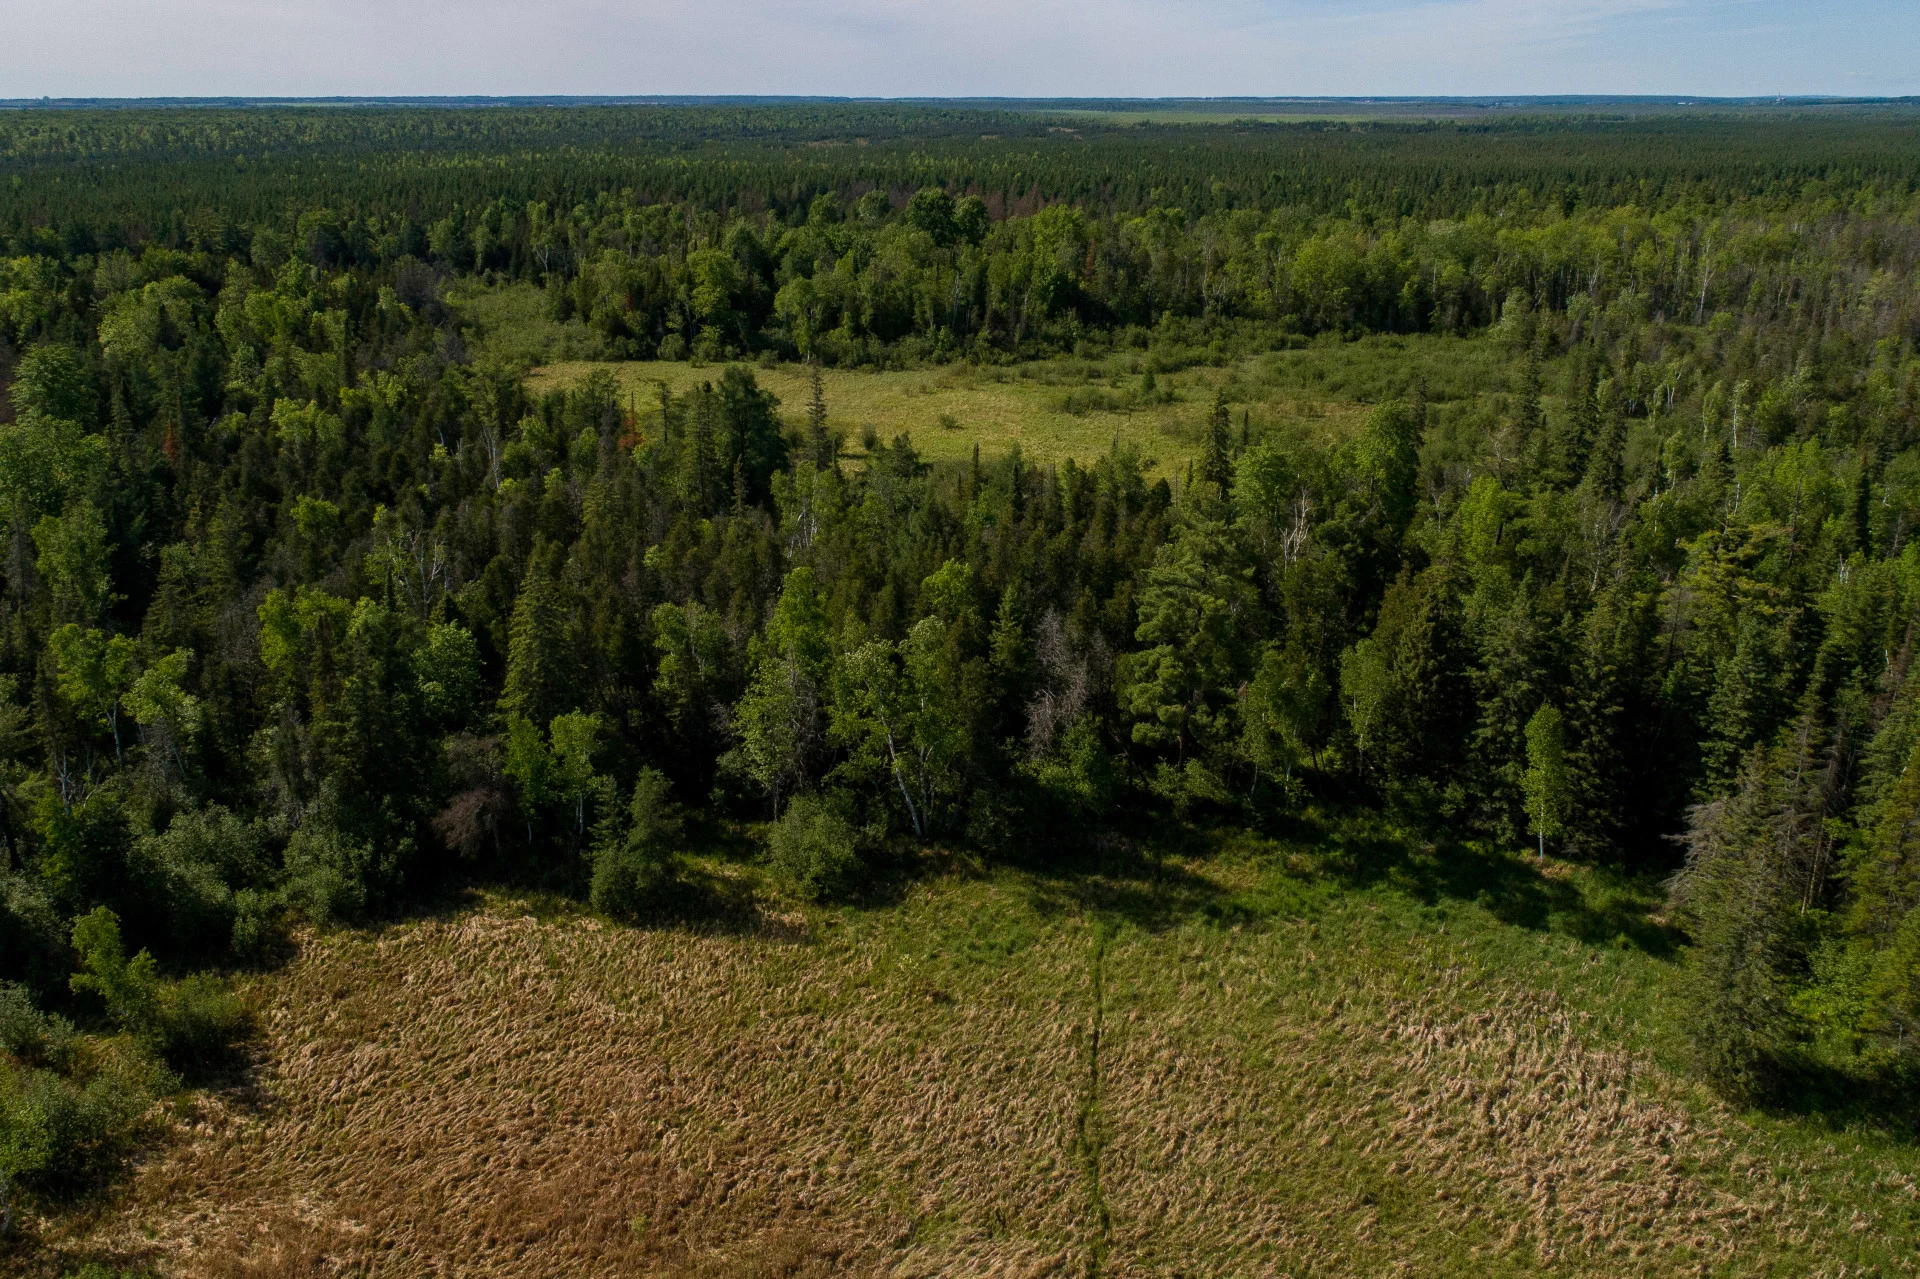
<point>1230,1064</point>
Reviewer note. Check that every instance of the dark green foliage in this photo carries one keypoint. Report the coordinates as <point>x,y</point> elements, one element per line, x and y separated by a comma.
<point>634,865</point>
<point>1741,899</point>
<point>814,849</point>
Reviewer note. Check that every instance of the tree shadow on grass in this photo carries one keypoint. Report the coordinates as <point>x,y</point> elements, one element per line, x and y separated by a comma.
<point>1594,905</point>
<point>1847,1097</point>
<point>1152,876</point>
<point>1146,877</point>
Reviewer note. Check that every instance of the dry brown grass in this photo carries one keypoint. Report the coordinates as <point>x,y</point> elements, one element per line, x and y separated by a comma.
<point>915,1091</point>
<point>1376,1131</point>
<point>490,1095</point>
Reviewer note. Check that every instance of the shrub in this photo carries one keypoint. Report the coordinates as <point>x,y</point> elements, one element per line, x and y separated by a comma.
<point>632,867</point>
<point>324,879</point>
<point>129,988</point>
<point>814,849</point>
<point>34,1037</point>
<point>32,939</point>
<point>199,1021</point>
<point>192,1023</point>
<point>190,871</point>
<point>257,926</point>
<point>69,1132</point>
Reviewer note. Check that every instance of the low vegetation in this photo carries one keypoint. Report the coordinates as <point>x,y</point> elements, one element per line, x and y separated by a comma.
<point>1329,1054</point>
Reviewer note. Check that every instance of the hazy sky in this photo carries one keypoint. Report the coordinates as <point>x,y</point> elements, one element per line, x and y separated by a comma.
<point>958,47</point>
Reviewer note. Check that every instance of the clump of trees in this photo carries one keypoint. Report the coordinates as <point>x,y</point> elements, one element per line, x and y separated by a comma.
<point>304,610</point>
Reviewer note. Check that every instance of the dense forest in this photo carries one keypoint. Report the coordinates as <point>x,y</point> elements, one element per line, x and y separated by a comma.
<point>308,613</point>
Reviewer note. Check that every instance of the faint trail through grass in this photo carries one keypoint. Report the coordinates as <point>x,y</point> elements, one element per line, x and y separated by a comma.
<point>1090,1135</point>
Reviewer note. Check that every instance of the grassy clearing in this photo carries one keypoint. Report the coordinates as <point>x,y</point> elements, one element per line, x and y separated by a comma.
<point>1050,409</point>
<point>1337,1055</point>
<point>1056,409</point>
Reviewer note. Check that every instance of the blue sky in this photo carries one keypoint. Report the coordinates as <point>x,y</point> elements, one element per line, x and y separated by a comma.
<point>959,47</point>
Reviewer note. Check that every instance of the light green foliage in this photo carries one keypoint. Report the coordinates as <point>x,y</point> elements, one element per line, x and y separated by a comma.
<point>307,425</point>
<point>1386,460</point>
<point>328,871</point>
<point>128,988</point>
<point>1267,492</point>
<point>94,670</point>
<point>168,715</point>
<point>1546,783</point>
<point>47,465</point>
<point>902,714</point>
<point>1079,773</point>
<point>137,322</point>
<point>1280,714</point>
<point>1366,692</point>
<point>31,1036</point>
<point>53,383</point>
<point>530,763</point>
<point>779,718</point>
<point>73,551</point>
<point>693,649</point>
<point>26,1138</point>
<point>447,667</point>
<point>302,634</point>
<point>1485,522</point>
<point>575,737</point>
<point>192,871</point>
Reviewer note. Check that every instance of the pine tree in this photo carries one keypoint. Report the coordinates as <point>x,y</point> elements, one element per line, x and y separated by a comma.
<point>1529,417</point>
<point>1568,443</point>
<point>1605,472</point>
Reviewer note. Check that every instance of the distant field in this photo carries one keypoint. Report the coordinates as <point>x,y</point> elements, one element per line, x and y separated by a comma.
<point>1245,1062</point>
<point>1064,408</point>
<point>994,409</point>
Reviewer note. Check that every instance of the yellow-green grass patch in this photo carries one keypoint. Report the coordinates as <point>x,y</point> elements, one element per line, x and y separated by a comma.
<point>1050,411</point>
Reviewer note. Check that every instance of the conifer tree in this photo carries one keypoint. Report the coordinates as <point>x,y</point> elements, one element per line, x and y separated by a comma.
<point>1216,465</point>
<point>540,675</point>
<point>1740,905</point>
<point>819,443</point>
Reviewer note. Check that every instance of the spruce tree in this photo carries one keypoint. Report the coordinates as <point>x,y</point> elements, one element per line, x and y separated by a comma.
<point>1216,464</point>
<point>1741,908</point>
<point>540,681</point>
<point>819,443</point>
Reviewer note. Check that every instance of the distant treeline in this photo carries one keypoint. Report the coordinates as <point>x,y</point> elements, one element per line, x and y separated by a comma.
<point>862,234</point>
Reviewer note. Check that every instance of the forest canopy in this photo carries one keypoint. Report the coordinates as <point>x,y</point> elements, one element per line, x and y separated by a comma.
<point>306,610</point>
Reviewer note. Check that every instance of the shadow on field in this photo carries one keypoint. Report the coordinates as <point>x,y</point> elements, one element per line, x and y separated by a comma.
<point>1146,878</point>
<point>1884,1098</point>
<point>1150,877</point>
<point>1598,907</point>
